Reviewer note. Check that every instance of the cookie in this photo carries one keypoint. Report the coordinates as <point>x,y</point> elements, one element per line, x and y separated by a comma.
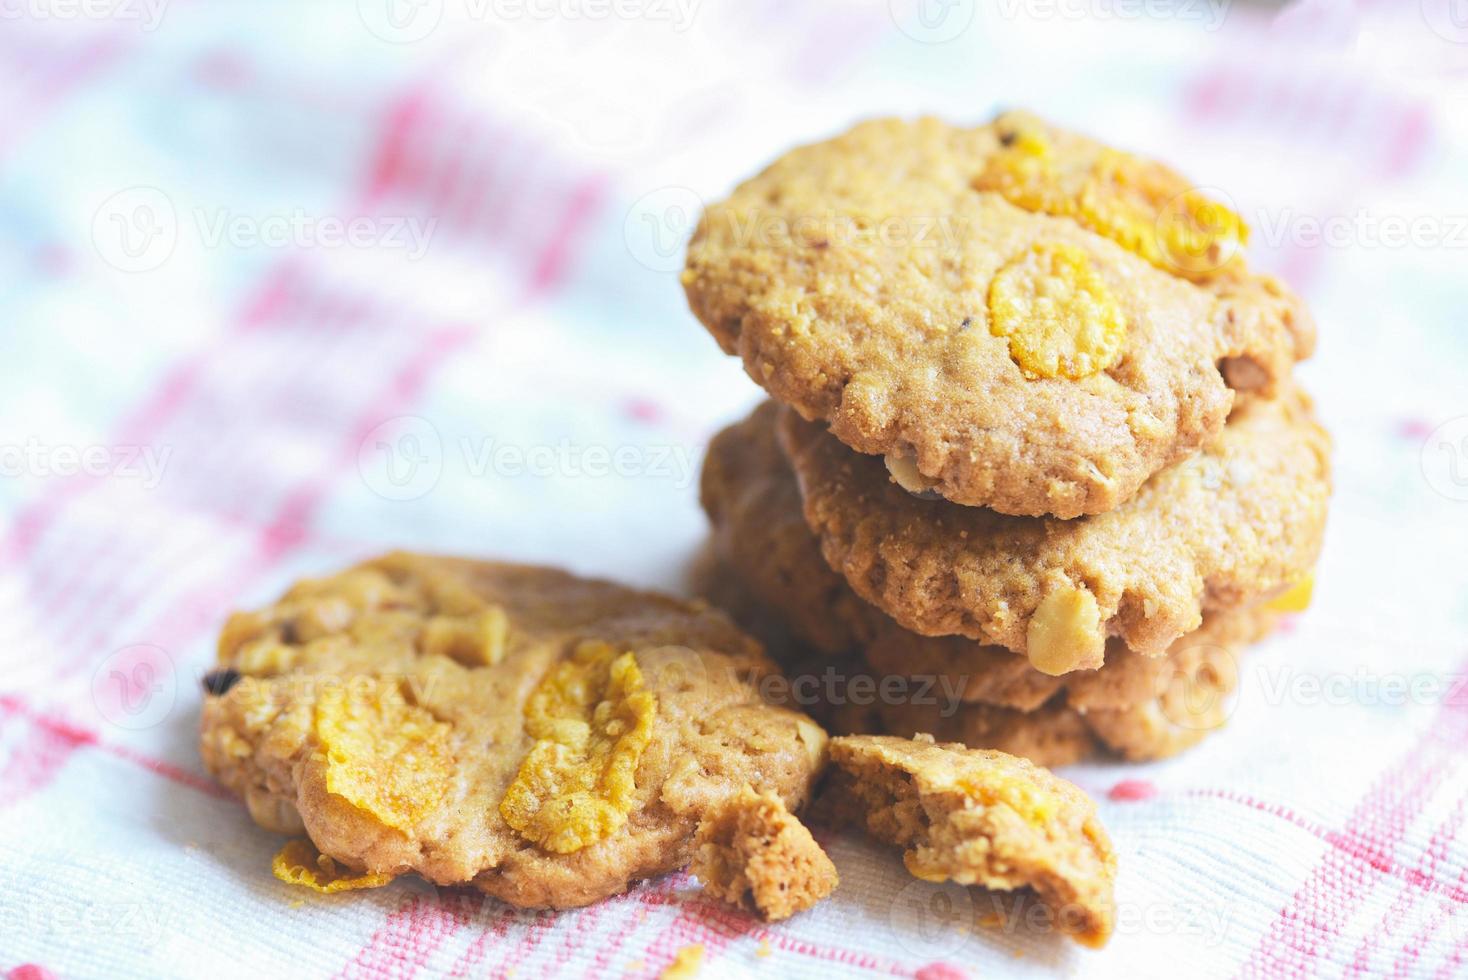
<point>984,818</point>
<point>765,566</point>
<point>759,534</point>
<point>993,675</point>
<point>751,853</point>
<point>1232,527</point>
<point>544,738</point>
<point>1189,698</point>
<point>1013,316</point>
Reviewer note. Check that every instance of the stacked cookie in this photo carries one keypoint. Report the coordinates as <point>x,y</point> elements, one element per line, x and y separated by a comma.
<point>1033,444</point>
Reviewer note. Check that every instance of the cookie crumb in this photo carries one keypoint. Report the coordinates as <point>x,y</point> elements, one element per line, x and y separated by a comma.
<point>763,949</point>
<point>754,854</point>
<point>685,965</point>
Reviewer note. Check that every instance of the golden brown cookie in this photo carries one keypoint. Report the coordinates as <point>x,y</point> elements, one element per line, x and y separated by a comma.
<point>1234,526</point>
<point>752,853</point>
<point>760,536</point>
<point>985,818</point>
<point>545,738</point>
<point>1179,701</point>
<point>1014,316</point>
<point>767,568</point>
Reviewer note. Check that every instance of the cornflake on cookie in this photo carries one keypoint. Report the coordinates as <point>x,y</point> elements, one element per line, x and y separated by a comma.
<point>1012,316</point>
<point>543,738</point>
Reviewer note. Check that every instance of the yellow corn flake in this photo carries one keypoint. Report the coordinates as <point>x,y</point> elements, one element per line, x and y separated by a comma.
<point>299,863</point>
<point>475,640</point>
<point>591,719</point>
<point>383,755</point>
<point>685,965</point>
<point>1140,204</point>
<point>1019,793</point>
<point>1058,315</point>
<point>1294,599</point>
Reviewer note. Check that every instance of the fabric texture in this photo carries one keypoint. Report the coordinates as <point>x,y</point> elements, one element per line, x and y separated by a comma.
<point>286,285</point>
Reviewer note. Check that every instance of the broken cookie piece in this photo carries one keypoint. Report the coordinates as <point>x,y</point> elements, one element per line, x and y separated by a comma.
<point>980,817</point>
<point>753,853</point>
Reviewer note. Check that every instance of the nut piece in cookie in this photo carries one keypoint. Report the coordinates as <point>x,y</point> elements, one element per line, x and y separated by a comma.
<point>1234,526</point>
<point>985,818</point>
<point>1015,317</point>
<point>753,853</point>
<point>544,738</point>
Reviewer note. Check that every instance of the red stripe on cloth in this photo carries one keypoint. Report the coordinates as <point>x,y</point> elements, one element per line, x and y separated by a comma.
<point>54,743</point>
<point>409,937</point>
<point>66,77</point>
<point>554,260</point>
<point>29,971</point>
<point>691,927</point>
<point>480,946</point>
<point>143,423</point>
<point>1307,927</point>
<point>1408,141</point>
<point>1424,871</point>
<point>535,932</point>
<point>1412,950</point>
<point>62,732</point>
<point>35,760</point>
<point>390,166</point>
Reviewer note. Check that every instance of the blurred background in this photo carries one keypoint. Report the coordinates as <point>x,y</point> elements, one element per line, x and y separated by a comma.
<point>283,284</point>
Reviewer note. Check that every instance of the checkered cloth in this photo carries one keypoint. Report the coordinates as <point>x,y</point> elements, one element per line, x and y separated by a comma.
<point>289,284</point>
